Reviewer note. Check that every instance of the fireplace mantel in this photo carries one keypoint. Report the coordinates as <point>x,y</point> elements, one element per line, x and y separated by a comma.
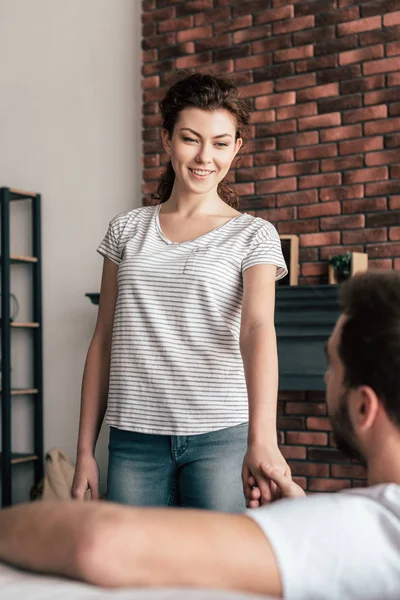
<point>304,317</point>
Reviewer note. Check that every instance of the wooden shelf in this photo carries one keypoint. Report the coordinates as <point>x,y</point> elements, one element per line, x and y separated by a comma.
<point>23,259</point>
<point>24,392</point>
<point>21,325</point>
<point>18,458</point>
<point>22,193</point>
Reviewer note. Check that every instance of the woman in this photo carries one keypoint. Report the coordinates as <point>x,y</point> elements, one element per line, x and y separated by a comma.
<point>184,351</point>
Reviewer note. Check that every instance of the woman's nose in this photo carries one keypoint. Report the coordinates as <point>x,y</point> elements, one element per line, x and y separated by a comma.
<point>204,155</point>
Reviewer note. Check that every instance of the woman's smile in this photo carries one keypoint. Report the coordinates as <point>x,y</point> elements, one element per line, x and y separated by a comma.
<point>200,173</point>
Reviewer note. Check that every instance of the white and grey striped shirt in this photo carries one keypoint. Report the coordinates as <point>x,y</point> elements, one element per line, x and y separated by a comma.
<point>176,367</point>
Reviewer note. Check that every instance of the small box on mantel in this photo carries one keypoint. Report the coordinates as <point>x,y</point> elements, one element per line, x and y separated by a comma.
<point>359,263</point>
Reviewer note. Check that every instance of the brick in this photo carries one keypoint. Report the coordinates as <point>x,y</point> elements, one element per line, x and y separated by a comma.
<point>381,66</point>
<point>149,55</point>
<point>397,264</point>
<point>380,263</point>
<point>297,198</point>
<point>307,469</point>
<point>364,206</point>
<point>269,44</point>
<point>378,7</point>
<point>150,187</point>
<point>327,120</point>
<point>337,16</point>
<point>342,193</point>
<point>298,168</point>
<point>280,127</point>
<point>328,251</point>
<point>299,139</point>
<point>361,85</point>
<point>214,42</point>
<point>306,438</point>
<point>382,158</point>
<point>360,25</point>
<point>361,55</point>
<point>384,250</point>
<point>385,219</point>
<point>274,72</point>
<point>342,163</point>
<point>299,110</point>
<point>395,171</point>
<point>317,92</point>
<point>294,53</point>
<point>365,114</point>
<point>186,62</point>
<point>318,423</point>
<point>364,235</point>
<point>278,214</point>
<point>295,83</point>
<point>305,408</point>
<point>323,180</point>
<point>248,35</point>
<point>394,202</point>
<point>298,452</point>
<point>290,422</point>
<point>314,268</point>
<point>364,175</point>
<point>151,160</point>
<point>252,62</point>
<point>393,49</point>
<point>361,145</point>
<point>172,24</point>
<point>319,210</point>
<point>391,19</point>
<point>277,14</point>
<point>328,485</point>
<point>308,254</point>
<point>261,145</point>
<point>315,64</point>
<point>339,74</point>
<point>257,202</point>
<point>232,53</point>
<point>394,109</point>
<point>296,227</point>
<point>244,22</point>
<point>275,100</point>
<point>320,239</point>
<point>334,46</point>
<point>313,7</point>
<point>263,116</point>
<point>342,222</point>
<point>341,133</point>
<point>152,121</point>
<point>294,25</point>
<point>314,36</point>
<point>279,185</point>
<point>249,7</point>
<point>274,157</point>
<point>157,41</point>
<point>383,188</point>
<point>193,6</point>
<point>219,14</point>
<point>174,52</point>
<point>343,103</point>
<point>256,89</point>
<point>352,471</point>
<point>381,96</point>
<point>243,189</point>
<point>394,234</point>
<point>150,82</point>
<point>312,152</point>
<point>255,174</point>
<point>384,126</point>
<point>328,455</point>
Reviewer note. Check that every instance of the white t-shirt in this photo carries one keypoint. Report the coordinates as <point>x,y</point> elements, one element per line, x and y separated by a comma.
<point>176,366</point>
<point>343,546</point>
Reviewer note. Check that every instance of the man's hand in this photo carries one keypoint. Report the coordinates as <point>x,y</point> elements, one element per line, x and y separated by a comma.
<point>286,486</point>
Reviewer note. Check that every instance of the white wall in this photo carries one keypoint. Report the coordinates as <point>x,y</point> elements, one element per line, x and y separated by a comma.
<point>70,113</point>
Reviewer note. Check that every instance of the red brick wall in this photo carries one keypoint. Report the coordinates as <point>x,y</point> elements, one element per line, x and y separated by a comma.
<point>323,80</point>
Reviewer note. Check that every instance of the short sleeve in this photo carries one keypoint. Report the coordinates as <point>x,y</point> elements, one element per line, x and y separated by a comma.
<point>266,249</point>
<point>110,246</point>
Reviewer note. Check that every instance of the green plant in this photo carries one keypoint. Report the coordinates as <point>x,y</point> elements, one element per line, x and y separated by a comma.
<point>342,265</point>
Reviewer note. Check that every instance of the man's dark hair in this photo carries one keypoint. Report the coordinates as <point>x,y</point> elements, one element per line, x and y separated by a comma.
<point>370,340</point>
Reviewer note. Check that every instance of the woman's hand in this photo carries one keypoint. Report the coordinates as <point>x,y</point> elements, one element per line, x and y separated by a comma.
<point>260,489</point>
<point>86,477</point>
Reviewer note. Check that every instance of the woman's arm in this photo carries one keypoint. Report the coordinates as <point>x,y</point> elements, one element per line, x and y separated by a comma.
<point>260,360</point>
<point>95,386</point>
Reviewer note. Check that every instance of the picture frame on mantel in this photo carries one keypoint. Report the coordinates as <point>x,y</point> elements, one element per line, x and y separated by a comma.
<point>290,250</point>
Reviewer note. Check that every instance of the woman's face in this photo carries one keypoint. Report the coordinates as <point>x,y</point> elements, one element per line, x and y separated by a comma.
<point>202,148</point>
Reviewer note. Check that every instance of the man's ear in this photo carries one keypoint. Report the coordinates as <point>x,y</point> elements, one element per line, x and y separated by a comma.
<point>363,407</point>
<point>166,141</point>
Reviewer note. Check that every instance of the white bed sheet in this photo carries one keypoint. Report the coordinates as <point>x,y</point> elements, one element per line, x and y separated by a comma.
<point>20,585</point>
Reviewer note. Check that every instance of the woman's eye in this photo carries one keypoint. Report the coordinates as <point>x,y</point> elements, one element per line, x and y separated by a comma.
<point>221,145</point>
<point>188,139</point>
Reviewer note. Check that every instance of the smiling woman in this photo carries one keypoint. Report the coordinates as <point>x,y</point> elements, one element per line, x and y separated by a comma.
<point>184,353</point>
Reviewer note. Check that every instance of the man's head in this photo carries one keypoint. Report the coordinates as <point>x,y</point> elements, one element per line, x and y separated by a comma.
<point>363,375</point>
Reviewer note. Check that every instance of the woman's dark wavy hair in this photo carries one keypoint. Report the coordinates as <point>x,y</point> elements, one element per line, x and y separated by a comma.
<point>208,92</point>
<point>370,340</point>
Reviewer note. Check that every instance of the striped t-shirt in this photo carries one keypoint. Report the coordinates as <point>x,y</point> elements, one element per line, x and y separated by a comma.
<point>176,367</point>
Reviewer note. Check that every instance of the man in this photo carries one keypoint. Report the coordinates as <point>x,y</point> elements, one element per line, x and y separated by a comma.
<point>332,546</point>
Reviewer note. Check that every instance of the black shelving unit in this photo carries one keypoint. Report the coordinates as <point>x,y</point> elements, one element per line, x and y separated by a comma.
<point>9,459</point>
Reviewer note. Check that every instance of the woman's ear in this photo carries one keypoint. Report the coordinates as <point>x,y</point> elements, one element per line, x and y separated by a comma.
<point>166,141</point>
<point>238,145</point>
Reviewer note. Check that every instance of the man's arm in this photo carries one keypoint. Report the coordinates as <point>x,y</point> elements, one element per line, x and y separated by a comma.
<point>110,545</point>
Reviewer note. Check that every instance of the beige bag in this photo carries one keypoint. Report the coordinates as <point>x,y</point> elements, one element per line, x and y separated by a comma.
<point>58,476</point>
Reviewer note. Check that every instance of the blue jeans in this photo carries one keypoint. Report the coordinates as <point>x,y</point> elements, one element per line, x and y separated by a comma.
<point>196,471</point>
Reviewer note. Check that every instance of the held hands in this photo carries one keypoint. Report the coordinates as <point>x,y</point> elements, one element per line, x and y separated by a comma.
<point>266,477</point>
<point>86,478</point>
